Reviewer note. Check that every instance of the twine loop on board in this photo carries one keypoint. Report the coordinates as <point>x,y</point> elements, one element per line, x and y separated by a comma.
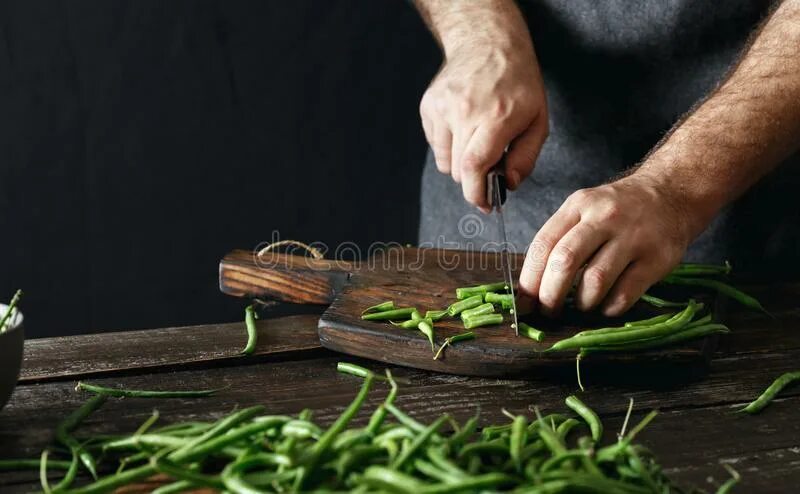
<point>315,253</point>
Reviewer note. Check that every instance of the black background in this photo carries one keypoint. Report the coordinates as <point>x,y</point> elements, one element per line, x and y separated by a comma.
<point>141,140</point>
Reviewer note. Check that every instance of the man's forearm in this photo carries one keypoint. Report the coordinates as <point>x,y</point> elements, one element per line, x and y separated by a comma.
<point>457,24</point>
<point>745,128</point>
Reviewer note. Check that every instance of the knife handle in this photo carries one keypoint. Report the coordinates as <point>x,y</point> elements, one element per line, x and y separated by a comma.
<point>496,180</point>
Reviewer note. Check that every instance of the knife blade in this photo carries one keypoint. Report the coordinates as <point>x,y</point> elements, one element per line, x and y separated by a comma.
<point>496,192</point>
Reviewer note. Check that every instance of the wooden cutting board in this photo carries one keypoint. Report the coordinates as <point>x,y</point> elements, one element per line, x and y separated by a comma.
<point>425,279</point>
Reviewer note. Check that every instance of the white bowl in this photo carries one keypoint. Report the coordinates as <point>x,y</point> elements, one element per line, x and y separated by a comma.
<point>11,344</point>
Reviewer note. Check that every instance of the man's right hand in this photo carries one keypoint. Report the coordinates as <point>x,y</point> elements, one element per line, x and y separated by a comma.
<point>488,95</point>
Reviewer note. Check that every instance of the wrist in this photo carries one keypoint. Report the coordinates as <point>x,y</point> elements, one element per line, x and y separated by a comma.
<point>684,192</point>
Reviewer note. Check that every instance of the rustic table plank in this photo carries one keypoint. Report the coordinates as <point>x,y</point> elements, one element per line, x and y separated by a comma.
<point>76,356</point>
<point>289,386</point>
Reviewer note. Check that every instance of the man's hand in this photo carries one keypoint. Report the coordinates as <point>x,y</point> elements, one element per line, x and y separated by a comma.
<point>487,96</point>
<point>627,234</point>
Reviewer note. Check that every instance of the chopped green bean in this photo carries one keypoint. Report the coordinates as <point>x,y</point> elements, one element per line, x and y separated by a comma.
<point>381,307</point>
<point>435,315</point>
<point>506,300</point>
<point>484,320</point>
<point>530,332</point>
<point>426,327</point>
<point>469,291</point>
<point>462,305</point>
<point>486,308</point>
<point>394,314</point>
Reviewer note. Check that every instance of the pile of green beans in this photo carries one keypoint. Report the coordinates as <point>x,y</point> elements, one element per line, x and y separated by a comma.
<point>250,452</point>
<point>476,306</point>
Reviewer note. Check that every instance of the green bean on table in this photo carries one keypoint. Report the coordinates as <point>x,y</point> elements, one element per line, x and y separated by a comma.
<point>469,291</point>
<point>252,331</point>
<point>140,393</point>
<point>482,309</point>
<point>462,305</point>
<point>771,392</point>
<point>387,315</point>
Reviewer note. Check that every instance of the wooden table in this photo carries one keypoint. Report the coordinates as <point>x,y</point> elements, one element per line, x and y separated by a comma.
<point>693,435</point>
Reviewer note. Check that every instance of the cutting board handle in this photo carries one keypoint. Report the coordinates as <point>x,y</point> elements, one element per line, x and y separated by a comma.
<point>283,277</point>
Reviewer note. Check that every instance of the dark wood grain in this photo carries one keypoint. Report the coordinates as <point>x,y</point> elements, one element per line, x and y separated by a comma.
<point>287,278</point>
<point>427,279</point>
<point>104,353</point>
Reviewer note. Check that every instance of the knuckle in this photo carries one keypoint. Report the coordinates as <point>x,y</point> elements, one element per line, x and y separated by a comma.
<point>580,196</point>
<point>611,211</point>
<point>596,277</point>
<point>472,162</point>
<point>563,259</point>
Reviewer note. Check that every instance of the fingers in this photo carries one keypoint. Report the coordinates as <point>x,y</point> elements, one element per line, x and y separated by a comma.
<point>543,243</point>
<point>633,282</point>
<point>567,257</point>
<point>482,152</point>
<point>524,151</point>
<point>600,274</point>
<point>443,147</point>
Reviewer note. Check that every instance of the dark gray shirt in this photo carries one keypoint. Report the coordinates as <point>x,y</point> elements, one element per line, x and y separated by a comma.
<point>618,74</point>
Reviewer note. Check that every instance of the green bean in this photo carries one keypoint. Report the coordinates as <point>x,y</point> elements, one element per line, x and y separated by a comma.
<point>659,342</point>
<point>220,442</point>
<point>250,317</point>
<point>727,487</point>
<point>326,441</point>
<point>506,300</point>
<point>43,472</point>
<point>692,269</point>
<point>462,305</point>
<point>111,482</point>
<point>10,310</point>
<point>557,460</point>
<point>530,332</point>
<point>700,322</point>
<point>180,473</point>
<point>469,335</point>
<point>495,446</point>
<point>438,458</point>
<point>390,480</point>
<point>551,439</point>
<point>405,419</point>
<point>589,339</point>
<point>484,320</point>
<point>381,307</point>
<point>660,302</point>
<point>353,369</point>
<point>588,415</point>
<point>720,287</point>
<point>71,422</point>
<point>426,327</point>
<point>432,471</point>
<point>435,315</point>
<point>466,432</point>
<point>356,456</point>
<point>409,324</point>
<point>771,392</point>
<point>174,488</point>
<point>470,484</point>
<point>222,426</point>
<point>469,291</point>
<point>519,436</point>
<point>69,477</point>
<point>649,322</point>
<point>486,308</point>
<point>232,474</point>
<point>149,440</point>
<point>387,315</point>
<point>419,441</point>
<point>136,393</point>
<point>565,427</point>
